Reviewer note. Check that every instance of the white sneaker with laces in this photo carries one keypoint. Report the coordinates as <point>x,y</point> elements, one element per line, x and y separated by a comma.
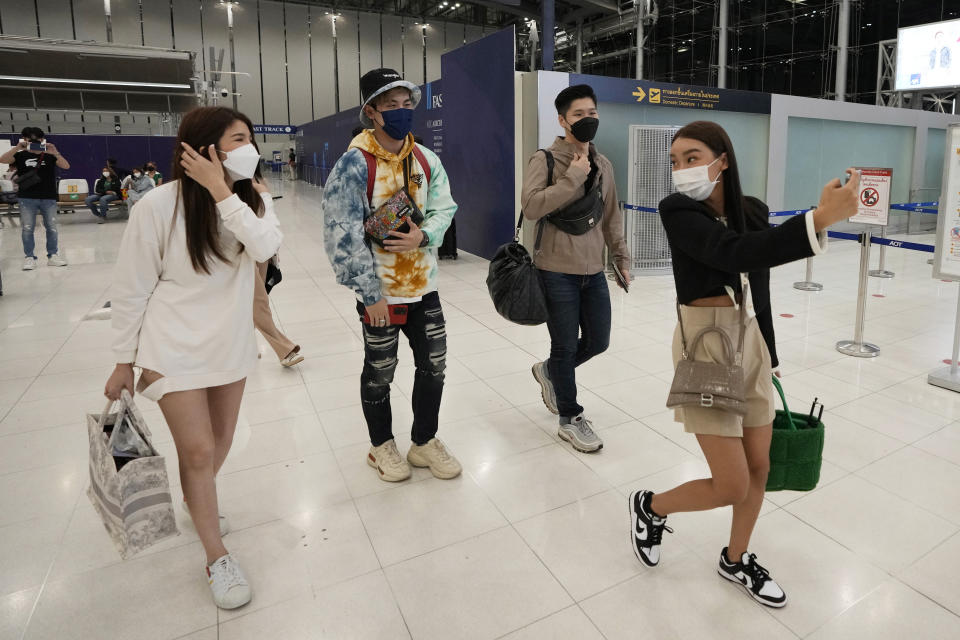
<point>224,523</point>
<point>435,456</point>
<point>388,462</point>
<point>56,261</point>
<point>29,264</point>
<point>229,586</point>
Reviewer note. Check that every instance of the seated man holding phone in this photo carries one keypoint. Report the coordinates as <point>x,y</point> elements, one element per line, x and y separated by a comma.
<point>386,207</point>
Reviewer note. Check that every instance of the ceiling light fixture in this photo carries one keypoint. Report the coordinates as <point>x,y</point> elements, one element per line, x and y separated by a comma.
<point>143,85</point>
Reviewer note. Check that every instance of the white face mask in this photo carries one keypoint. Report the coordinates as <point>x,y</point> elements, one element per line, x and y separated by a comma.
<point>136,175</point>
<point>106,175</point>
<point>242,162</point>
<point>695,182</point>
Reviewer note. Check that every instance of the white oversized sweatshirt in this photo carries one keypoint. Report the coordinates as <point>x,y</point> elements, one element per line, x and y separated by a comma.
<point>195,329</point>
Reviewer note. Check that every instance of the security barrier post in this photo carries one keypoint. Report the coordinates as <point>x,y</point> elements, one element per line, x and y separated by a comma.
<point>881,270</point>
<point>857,347</point>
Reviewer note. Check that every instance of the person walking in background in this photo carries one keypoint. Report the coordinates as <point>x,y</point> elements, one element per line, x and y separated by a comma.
<point>717,257</point>
<point>571,265</point>
<point>396,284</point>
<point>151,171</point>
<point>136,184</point>
<point>36,162</point>
<point>105,190</point>
<point>286,350</point>
<point>292,163</point>
<point>181,308</point>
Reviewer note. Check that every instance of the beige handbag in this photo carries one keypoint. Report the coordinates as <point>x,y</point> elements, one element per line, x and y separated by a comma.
<point>711,385</point>
<point>133,500</point>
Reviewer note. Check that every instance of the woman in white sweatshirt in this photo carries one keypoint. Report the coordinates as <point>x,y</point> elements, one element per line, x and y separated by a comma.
<point>181,307</point>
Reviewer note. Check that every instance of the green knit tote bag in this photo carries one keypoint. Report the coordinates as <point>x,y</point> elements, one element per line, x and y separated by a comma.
<point>796,450</point>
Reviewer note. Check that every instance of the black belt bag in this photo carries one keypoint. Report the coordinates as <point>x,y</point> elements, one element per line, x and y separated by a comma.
<point>580,216</point>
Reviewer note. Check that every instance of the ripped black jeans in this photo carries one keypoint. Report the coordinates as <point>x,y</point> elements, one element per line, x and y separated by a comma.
<point>426,331</point>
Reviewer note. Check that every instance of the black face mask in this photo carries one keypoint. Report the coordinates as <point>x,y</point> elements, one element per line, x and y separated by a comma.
<point>585,129</point>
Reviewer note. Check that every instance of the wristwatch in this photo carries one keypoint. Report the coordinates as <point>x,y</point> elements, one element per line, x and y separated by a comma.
<point>425,241</point>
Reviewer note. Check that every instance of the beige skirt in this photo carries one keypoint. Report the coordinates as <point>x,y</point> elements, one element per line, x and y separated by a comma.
<point>756,369</point>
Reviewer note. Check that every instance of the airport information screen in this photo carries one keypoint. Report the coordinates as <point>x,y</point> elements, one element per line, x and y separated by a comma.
<point>928,56</point>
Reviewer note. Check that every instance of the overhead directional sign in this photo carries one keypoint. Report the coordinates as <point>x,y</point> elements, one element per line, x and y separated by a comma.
<point>274,129</point>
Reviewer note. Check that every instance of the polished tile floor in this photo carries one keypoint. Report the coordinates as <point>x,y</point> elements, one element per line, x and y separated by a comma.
<point>531,542</point>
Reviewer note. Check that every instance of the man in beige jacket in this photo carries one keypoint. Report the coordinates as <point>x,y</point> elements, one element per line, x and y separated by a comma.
<point>571,262</point>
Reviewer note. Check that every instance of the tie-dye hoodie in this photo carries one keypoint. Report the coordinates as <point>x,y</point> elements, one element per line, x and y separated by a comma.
<point>372,272</point>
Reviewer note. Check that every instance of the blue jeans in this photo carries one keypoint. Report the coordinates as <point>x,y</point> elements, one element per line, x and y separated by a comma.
<point>105,201</point>
<point>579,327</point>
<point>29,208</point>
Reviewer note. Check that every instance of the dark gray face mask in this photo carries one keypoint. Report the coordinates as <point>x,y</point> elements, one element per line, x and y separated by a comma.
<point>585,129</point>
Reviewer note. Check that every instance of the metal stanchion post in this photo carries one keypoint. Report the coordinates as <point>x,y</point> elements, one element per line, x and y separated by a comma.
<point>857,347</point>
<point>948,377</point>
<point>808,284</point>
<point>881,270</point>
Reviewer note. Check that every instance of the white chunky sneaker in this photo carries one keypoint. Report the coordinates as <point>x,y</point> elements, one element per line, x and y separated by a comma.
<point>56,261</point>
<point>229,586</point>
<point>29,264</point>
<point>388,462</point>
<point>224,523</point>
<point>435,456</point>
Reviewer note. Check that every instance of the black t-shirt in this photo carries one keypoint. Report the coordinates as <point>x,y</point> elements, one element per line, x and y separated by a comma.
<point>45,164</point>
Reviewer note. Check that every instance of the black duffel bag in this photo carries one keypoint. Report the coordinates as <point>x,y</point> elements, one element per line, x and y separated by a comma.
<point>515,285</point>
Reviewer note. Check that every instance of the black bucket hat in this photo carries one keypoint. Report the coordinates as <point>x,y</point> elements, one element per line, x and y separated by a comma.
<point>379,81</point>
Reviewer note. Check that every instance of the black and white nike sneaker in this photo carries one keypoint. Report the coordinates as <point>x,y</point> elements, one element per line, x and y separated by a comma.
<point>646,528</point>
<point>754,578</point>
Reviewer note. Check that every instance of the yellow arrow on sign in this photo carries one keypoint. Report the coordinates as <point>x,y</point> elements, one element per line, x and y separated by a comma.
<point>640,94</point>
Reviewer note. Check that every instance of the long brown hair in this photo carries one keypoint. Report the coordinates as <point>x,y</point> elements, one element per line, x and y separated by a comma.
<point>202,127</point>
<point>717,140</point>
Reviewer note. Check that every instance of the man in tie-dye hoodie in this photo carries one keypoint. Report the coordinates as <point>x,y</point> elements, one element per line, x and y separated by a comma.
<point>401,274</point>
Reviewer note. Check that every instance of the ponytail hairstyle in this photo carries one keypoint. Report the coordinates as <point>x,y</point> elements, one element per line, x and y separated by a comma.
<point>717,140</point>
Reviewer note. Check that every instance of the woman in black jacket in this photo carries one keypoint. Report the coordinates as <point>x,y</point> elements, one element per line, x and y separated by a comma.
<point>723,245</point>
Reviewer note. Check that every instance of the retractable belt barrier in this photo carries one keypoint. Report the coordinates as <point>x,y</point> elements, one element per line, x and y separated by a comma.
<point>857,347</point>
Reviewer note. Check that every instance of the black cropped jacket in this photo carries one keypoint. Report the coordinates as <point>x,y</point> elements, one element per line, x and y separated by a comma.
<point>707,256</point>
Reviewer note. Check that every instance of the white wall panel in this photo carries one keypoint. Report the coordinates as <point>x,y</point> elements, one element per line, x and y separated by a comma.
<point>392,42</point>
<point>126,21</point>
<point>474,33</point>
<point>298,64</point>
<point>216,35</point>
<point>274,73</point>
<point>412,51</point>
<point>455,35</point>
<point>247,49</point>
<point>321,42</point>
<point>156,24</point>
<point>434,42</point>
<point>89,20</point>
<point>370,55</point>
<point>186,27</point>
<point>54,19</point>
<point>19,18</point>
<point>348,59</point>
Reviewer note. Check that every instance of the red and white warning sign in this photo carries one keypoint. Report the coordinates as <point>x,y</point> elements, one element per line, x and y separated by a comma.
<point>874,205</point>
